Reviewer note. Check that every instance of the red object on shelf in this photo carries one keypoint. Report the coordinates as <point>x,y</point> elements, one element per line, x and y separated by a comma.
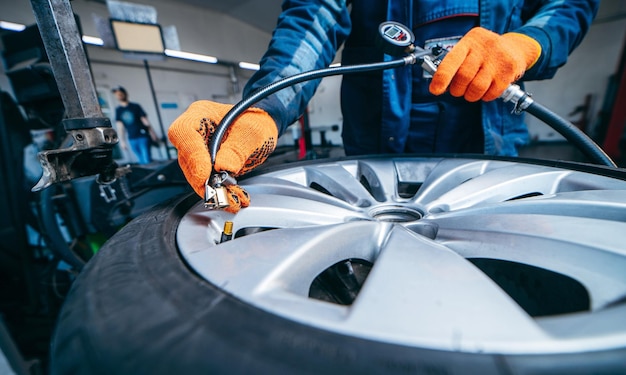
<point>618,114</point>
<point>301,141</point>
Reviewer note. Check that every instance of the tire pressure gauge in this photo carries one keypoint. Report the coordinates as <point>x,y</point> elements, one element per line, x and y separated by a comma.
<point>396,39</point>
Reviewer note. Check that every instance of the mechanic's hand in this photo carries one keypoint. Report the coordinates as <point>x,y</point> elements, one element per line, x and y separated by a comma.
<point>483,64</point>
<point>246,144</point>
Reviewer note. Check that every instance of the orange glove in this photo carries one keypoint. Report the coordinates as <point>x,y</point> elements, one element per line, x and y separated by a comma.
<point>483,64</point>
<point>250,139</point>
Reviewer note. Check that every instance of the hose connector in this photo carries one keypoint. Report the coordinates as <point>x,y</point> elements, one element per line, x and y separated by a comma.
<point>215,193</point>
<point>520,98</point>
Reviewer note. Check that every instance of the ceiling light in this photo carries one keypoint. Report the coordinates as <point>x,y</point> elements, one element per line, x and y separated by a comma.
<point>11,26</point>
<point>92,40</point>
<point>249,66</point>
<point>190,56</point>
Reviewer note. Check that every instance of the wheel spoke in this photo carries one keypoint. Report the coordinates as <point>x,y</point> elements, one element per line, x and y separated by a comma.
<point>380,177</point>
<point>450,174</point>
<point>341,184</point>
<point>511,182</point>
<point>280,188</point>
<point>288,212</point>
<point>286,260</point>
<point>595,257</point>
<point>597,204</point>
<point>420,289</point>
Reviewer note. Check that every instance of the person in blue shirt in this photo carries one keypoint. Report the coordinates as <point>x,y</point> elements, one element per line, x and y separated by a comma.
<point>132,122</point>
<point>492,43</point>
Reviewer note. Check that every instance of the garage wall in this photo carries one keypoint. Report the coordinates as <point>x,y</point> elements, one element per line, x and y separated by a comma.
<point>178,83</point>
<point>586,72</point>
<point>199,30</point>
<point>174,89</point>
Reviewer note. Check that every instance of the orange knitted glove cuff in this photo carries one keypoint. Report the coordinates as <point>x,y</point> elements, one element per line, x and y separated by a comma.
<point>483,64</point>
<point>528,47</point>
<point>247,143</point>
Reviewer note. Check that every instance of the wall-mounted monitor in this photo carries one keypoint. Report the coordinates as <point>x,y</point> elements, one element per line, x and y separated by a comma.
<point>137,37</point>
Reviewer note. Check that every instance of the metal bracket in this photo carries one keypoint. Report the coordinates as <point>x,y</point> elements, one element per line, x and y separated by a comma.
<point>108,193</point>
<point>91,153</point>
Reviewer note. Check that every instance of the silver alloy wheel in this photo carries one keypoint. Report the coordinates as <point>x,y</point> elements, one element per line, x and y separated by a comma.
<point>445,238</point>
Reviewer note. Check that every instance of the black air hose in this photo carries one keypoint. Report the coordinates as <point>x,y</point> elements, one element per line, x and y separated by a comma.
<point>264,92</point>
<point>585,144</point>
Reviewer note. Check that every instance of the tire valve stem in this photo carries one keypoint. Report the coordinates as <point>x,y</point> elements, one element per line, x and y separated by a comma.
<point>227,233</point>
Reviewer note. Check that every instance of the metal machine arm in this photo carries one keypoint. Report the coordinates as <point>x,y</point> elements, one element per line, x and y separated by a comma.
<point>91,134</point>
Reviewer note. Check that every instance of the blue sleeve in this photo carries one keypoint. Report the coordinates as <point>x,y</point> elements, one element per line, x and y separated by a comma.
<point>306,37</point>
<point>559,26</point>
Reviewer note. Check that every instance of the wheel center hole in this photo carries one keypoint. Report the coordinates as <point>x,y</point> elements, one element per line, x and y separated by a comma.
<point>395,214</point>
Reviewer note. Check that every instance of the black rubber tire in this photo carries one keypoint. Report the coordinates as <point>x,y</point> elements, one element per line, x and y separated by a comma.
<point>136,308</point>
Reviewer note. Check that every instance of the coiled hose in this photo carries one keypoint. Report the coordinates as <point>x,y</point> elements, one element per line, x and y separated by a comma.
<point>574,135</point>
<point>264,92</point>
